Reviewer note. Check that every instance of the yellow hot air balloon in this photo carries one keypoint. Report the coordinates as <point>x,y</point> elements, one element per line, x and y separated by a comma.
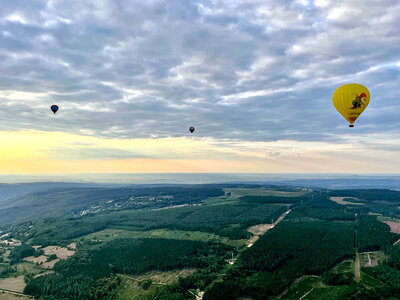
<point>351,100</point>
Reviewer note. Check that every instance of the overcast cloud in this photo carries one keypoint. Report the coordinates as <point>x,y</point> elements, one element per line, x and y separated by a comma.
<point>243,70</point>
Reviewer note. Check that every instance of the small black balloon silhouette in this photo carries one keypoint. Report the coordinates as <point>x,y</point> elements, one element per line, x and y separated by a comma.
<point>54,108</point>
<point>191,129</point>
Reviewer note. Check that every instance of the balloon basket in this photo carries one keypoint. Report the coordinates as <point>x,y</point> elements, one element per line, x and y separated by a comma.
<point>351,125</point>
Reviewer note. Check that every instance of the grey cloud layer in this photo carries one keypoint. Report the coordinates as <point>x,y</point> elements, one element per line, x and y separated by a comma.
<point>251,70</point>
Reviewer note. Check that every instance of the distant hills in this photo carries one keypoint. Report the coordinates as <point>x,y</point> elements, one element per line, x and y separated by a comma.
<point>27,201</point>
<point>76,199</point>
<point>8,191</point>
<point>346,183</point>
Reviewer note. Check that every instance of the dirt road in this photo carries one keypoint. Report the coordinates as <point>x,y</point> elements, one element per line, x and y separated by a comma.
<point>357,273</point>
<point>261,229</point>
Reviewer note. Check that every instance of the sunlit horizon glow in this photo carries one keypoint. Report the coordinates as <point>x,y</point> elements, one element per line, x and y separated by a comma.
<point>37,152</point>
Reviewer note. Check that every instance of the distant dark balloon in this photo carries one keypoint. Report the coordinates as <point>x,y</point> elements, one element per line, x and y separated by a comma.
<point>191,129</point>
<point>54,108</point>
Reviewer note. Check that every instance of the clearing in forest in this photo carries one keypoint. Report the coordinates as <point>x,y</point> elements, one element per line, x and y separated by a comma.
<point>339,200</point>
<point>40,259</point>
<point>72,246</point>
<point>111,234</point>
<point>131,285</point>
<point>50,264</point>
<point>393,223</point>
<point>13,284</point>
<point>394,226</point>
<point>235,193</point>
<point>61,252</point>
<point>261,229</point>
<point>371,259</point>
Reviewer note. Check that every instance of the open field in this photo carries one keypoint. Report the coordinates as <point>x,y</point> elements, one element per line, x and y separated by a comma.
<point>13,284</point>
<point>61,252</point>
<point>232,195</point>
<point>110,234</point>
<point>50,264</point>
<point>394,226</point>
<point>372,259</point>
<point>339,200</point>
<point>393,223</point>
<point>239,192</point>
<point>131,289</point>
<point>163,277</point>
<point>25,267</point>
<point>40,259</point>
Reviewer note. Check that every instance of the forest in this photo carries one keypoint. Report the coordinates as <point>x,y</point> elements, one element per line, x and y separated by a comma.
<point>76,277</point>
<point>213,218</point>
<point>314,236</point>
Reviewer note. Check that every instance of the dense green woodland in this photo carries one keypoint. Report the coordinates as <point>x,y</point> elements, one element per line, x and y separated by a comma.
<point>313,239</point>
<point>373,235</point>
<point>317,235</point>
<point>214,218</point>
<point>77,276</point>
<point>20,252</point>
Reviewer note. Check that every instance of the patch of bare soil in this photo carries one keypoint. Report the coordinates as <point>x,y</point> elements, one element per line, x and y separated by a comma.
<point>371,259</point>
<point>252,240</point>
<point>394,226</point>
<point>50,264</point>
<point>62,253</point>
<point>13,284</point>
<point>39,259</point>
<point>260,229</point>
<point>72,246</point>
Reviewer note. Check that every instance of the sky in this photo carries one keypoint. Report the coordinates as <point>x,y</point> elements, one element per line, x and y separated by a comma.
<point>255,78</point>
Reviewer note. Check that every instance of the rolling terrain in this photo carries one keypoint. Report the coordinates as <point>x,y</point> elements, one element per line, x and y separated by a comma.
<point>202,241</point>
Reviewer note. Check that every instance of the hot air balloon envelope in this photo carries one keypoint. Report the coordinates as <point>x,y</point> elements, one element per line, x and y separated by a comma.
<point>351,100</point>
<point>191,129</point>
<point>54,108</point>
